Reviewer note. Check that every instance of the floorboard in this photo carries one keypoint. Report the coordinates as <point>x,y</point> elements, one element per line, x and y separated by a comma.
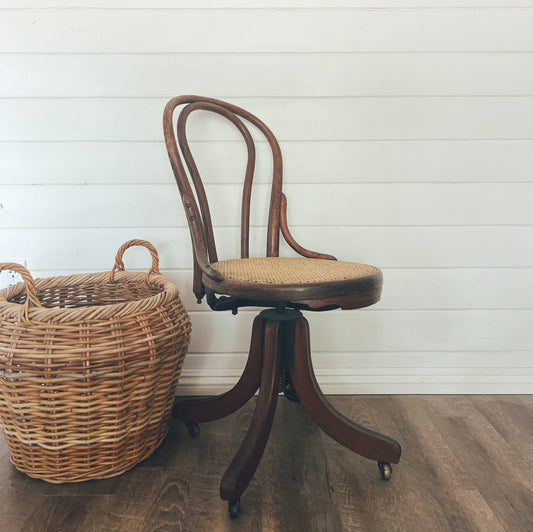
<point>467,465</point>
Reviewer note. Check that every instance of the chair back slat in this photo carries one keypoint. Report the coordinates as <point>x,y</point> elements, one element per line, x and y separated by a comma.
<point>195,201</point>
<point>248,179</point>
<point>197,180</point>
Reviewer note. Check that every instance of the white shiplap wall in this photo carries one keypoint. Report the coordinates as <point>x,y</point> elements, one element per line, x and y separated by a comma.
<point>412,120</point>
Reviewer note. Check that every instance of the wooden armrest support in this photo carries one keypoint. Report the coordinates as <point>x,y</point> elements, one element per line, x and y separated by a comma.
<point>290,239</point>
<point>198,285</point>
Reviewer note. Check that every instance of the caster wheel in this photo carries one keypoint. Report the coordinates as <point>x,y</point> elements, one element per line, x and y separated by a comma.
<point>193,428</point>
<point>234,508</point>
<point>287,387</point>
<point>290,393</point>
<point>385,470</point>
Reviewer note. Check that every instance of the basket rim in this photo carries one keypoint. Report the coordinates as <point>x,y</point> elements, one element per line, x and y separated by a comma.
<point>169,292</point>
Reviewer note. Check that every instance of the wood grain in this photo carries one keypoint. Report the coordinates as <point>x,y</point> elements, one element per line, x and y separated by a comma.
<point>466,466</point>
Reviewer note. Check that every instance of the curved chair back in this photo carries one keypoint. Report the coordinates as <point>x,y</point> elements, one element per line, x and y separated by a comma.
<point>195,203</point>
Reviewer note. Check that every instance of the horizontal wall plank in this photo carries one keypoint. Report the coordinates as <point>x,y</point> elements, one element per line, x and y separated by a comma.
<point>386,247</point>
<point>377,372</point>
<point>508,374</point>
<point>212,383</point>
<point>304,162</point>
<point>275,4</point>
<point>375,330</point>
<point>457,289</point>
<point>424,247</point>
<point>372,362</point>
<point>242,75</point>
<point>410,289</point>
<point>309,204</point>
<point>199,30</point>
<point>351,385</point>
<point>290,119</point>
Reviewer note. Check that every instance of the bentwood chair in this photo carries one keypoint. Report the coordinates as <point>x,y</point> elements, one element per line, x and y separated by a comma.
<point>279,357</point>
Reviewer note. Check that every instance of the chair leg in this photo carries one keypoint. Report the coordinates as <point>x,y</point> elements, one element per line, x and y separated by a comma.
<point>213,408</point>
<point>355,437</point>
<point>242,468</point>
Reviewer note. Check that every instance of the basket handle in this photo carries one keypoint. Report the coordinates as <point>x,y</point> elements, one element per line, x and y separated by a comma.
<point>119,265</point>
<point>31,299</point>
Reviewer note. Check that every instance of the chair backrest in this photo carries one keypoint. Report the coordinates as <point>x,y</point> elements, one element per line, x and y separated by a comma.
<point>195,203</point>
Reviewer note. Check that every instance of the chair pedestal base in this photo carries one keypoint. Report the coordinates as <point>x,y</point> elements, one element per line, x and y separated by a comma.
<point>280,346</point>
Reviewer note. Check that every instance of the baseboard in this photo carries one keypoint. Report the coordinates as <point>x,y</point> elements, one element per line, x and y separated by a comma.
<point>343,381</point>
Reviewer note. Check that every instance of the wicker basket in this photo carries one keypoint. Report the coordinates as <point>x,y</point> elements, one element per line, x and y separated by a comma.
<point>88,369</point>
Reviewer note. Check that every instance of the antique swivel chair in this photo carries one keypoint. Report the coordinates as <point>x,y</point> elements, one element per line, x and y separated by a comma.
<point>279,357</point>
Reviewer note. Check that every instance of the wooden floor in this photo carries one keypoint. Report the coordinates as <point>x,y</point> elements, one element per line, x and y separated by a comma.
<point>467,464</point>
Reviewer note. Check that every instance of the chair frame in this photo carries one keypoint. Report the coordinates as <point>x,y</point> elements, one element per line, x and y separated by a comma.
<point>280,347</point>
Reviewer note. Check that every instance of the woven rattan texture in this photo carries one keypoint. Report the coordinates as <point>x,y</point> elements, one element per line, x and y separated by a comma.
<point>87,384</point>
<point>289,270</point>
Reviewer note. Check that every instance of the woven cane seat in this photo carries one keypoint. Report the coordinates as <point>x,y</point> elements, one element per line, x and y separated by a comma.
<point>291,270</point>
<point>295,278</point>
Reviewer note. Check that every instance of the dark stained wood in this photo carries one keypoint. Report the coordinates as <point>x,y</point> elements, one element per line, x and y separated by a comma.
<point>459,471</point>
<point>243,466</point>
<point>212,408</point>
<point>467,464</point>
<point>197,182</point>
<point>280,340</point>
<point>359,439</point>
<point>195,175</point>
<point>290,239</point>
<point>270,352</point>
<point>198,287</point>
<point>190,205</point>
<point>200,232</point>
<point>349,302</point>
<point>348,294</point>
<point>359,292</point>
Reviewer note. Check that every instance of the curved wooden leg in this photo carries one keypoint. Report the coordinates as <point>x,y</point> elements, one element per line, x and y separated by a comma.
<point>212,408</point>
<point>349,434</point>
<point>242,468</point>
